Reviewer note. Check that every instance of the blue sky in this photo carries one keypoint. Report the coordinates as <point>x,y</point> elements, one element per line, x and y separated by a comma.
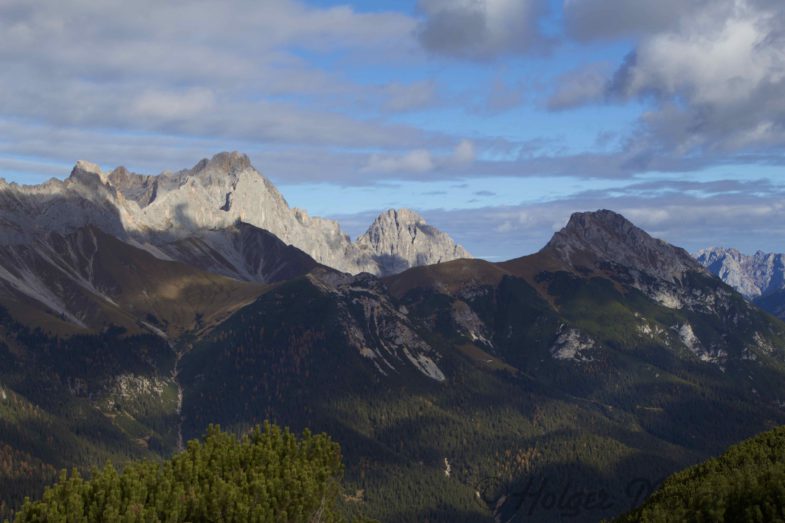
<point>494,118</point>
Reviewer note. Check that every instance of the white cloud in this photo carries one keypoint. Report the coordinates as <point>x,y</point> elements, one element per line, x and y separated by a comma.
<point>420,161</point>
<point>464,152</point>
<point>715,78</point>
<point>416,161</point>
<point>713,60</point>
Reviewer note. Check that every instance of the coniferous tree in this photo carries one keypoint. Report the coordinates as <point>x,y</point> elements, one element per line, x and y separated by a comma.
<point>269,475</point>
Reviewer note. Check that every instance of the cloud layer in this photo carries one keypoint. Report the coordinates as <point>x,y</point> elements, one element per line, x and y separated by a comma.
<point>687,214</point>
<point>448,92</point>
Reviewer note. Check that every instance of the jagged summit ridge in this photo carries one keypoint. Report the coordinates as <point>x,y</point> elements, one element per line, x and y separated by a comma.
<point>400,238</point>
<point>606,236</point>
<point>214,194</point>
<point>85,167</point>
<point>753,276</point>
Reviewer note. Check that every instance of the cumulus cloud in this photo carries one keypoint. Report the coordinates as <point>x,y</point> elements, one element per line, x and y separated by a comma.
<point>711,72</point>
<point>464,152</point>
<point>717,81</point>
<point>482,29</point>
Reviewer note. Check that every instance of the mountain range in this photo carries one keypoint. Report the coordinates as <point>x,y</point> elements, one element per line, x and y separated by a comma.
<point>760,277</point>
<point>153,212</point>
<point>138,310</point>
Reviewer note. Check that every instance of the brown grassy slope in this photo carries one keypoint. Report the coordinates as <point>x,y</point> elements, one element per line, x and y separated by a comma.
<point>104,281</point>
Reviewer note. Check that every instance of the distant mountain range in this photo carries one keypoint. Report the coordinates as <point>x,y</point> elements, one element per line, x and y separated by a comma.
<point>135,311</point>
<point>186,208</point>
<point>760,277</point>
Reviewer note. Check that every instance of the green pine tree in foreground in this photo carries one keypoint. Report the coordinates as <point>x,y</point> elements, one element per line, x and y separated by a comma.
<point>267,475</point>
<point>745,484</point>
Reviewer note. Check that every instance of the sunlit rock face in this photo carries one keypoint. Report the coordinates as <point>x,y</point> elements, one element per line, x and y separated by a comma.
<point>215,194</point>
<point>400,239</point>
<point>753,276</point>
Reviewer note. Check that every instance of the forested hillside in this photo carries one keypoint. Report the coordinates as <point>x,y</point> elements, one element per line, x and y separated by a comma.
<point>744,485</point>
<point>269,475</point>
<point>607,360</point>
<point>79,401</point>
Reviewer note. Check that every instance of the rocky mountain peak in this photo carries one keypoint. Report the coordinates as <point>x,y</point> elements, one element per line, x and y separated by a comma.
<point>589,225</point>
<point>224,162</point>
<point>398,220</point>
<point>214,195</point>
<point>120,174</point>
<point>402,217</point>
<point>713,254</point>
<point>753,276</point>
<point>590,238</point>
<point>89,172</point>
<point>401,238</point>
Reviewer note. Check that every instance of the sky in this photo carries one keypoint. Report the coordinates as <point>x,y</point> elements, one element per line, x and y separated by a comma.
<point>495,119</point>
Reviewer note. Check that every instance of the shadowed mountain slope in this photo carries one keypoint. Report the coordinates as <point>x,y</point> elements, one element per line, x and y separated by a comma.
<point>91,280</point>
<point>607,357</point>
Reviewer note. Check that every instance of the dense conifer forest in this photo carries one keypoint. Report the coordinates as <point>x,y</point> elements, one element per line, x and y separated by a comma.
<point>744,485</point>
<point>268,475</point>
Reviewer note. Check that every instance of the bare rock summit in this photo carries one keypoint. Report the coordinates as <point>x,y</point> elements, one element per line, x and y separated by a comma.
<point>152,211</point>
<point>400,238</point>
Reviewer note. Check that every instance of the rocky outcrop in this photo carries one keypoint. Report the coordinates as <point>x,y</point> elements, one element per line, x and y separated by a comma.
<point>572,344</point>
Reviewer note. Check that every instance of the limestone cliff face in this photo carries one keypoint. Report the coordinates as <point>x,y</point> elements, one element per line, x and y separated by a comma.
<point>152,211</point>
<point>753,276</point>
<point>400,239</point>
